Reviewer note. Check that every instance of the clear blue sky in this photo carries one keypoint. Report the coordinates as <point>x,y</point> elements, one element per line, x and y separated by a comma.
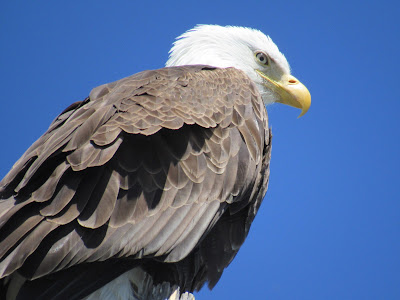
<point>329,227</point>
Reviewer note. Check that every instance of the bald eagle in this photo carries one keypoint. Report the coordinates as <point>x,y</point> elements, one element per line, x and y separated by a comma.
<point>161,172</point>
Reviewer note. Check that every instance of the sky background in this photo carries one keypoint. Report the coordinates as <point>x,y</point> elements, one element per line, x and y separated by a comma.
<point>330,223</point>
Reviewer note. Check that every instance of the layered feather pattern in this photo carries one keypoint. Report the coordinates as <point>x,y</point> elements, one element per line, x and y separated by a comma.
<point>165,169</point>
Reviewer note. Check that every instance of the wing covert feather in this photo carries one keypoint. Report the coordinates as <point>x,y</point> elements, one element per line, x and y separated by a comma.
<point>145,167</point>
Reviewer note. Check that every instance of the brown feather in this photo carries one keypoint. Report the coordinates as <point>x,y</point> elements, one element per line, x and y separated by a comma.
<point>165,165</point>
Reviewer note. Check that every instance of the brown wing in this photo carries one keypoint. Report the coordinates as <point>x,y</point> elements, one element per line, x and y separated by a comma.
<point>143,168</point>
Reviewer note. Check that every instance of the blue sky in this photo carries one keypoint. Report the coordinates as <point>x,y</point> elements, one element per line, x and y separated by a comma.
<point>329,227</point>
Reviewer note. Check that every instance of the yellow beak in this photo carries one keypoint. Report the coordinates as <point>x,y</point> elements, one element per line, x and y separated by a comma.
<point>290,90</point>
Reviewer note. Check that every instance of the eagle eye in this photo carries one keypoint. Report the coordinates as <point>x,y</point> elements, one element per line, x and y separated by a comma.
<point>262,58</point>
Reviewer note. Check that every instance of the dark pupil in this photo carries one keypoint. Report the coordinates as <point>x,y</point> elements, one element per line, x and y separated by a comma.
<point>261,57</point>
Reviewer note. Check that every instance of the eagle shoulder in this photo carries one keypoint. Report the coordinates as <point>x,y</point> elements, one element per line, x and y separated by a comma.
<point>154,166</point>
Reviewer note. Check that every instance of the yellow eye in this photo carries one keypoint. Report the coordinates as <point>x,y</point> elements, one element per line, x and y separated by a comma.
<point>262,58</point>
